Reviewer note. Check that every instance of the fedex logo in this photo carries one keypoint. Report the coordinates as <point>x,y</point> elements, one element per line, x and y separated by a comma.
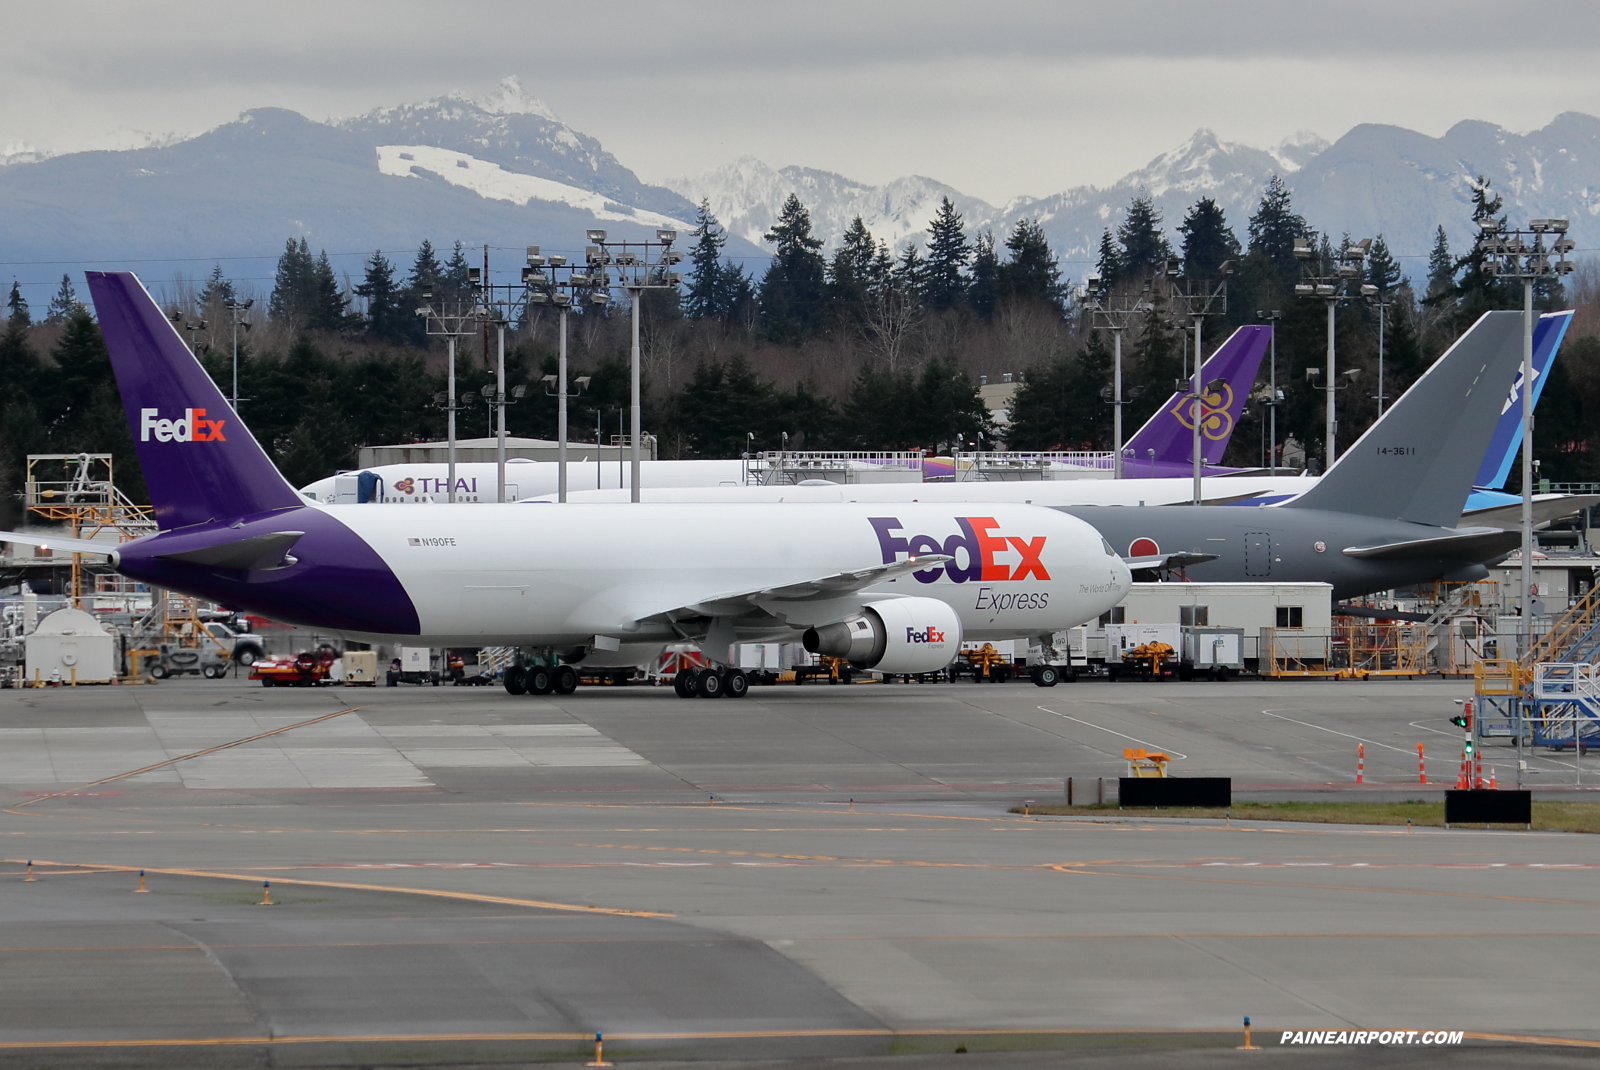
<point>926,635</point>
<point>191,427</point>
<point>980,545</point>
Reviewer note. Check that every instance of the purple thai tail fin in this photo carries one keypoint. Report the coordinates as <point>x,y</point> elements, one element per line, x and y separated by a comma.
<point>200,462</point>
<point>1170,432</point>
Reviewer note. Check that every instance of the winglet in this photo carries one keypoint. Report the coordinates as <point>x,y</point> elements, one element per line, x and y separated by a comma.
<point>199,461</point>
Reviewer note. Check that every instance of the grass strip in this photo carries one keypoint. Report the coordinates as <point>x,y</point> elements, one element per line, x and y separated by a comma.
<point>1557,816</point>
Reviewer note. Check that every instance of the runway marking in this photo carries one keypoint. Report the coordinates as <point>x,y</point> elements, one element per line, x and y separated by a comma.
<point>1346,735</point>
<point>731,1034</point>
<point>1280,886</point>
<point>436,893</point>
<point>184,758</point>
<point>1087,724</point>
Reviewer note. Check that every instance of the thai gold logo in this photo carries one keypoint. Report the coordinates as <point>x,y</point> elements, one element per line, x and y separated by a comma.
<point>1215,421</point>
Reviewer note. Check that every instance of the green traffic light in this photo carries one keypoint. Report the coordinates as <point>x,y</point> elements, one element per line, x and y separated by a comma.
<point>1459,721</point>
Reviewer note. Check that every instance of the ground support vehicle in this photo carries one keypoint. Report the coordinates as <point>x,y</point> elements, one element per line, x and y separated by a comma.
<point>309,668</point>
<point>209,661</point>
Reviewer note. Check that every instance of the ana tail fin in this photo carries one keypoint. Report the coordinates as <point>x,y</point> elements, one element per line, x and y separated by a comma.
<point>200,462</point>
<point>1417,462</point>
<point>1170,432</point>
<point>1548,332</point>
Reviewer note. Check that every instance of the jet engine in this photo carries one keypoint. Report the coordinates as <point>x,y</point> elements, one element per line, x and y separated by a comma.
<point>897,635</point>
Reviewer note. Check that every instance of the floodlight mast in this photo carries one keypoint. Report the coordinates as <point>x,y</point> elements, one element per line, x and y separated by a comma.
<point>240,311</point>
<point>1115,314</point>
<point>1197,299</point>
<point>641,265</point>
<point>543,284</point>
<point>453,318</point>
<point>1343,285</point>
<point>1522,254</point>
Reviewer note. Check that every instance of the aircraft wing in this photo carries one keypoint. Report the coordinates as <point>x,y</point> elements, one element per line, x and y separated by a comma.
<point>738,603</point>
<point>1466,544</point>
<point>45,539</point>
<point>1547,509</point>
<point>1177,560</point>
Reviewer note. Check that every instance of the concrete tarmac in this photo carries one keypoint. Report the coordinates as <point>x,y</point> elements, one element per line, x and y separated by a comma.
<point>460,876</point>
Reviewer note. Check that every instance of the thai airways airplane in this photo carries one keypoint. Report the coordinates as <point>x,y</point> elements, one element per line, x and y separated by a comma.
<point>896,589</point>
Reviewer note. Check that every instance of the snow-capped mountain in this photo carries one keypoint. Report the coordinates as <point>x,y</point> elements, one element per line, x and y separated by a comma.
<point>501,170</point>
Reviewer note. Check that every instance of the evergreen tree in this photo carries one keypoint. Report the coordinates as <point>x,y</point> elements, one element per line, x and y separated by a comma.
<point>706,297</point>
<point>383,304</point>
<point>1477,292</point>
<point>943,281</point>
<point>947,407</point>
<point>1208,241</point>
<point>1032,271</point>
<point>327,303</point>
<point>1058,404</point>
<point>1109,265</point>
<point>1273,229</point>
<point>63,303</point>
<point>1383,271</point>
<point>217,291</point>
<point>1144,247</point>
<point>791,292</point>
<point>849,275</point>
<point>1441,266</point>
<point>425,270</point>
<point>456,276</point>
<point>17,307</point>
<point>725,402</point>
<point>985,286</point>
<point>293,286</point>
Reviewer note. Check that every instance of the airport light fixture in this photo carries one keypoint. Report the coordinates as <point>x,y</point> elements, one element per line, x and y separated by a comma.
<point>550,280</point>
<point>641,265</point>
<point>453,317</point>
<point>1274,396</point>
<point>1196,299</point>
<point>1525,254</point>
<point>1115,314</point>
<point>240,311</point>
<point>1344,284</point>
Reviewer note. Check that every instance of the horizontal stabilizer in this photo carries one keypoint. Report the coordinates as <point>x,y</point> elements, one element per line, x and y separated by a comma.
<point>256,553</point>
<point>44,539</point>
<point>1465,544</point>
<point>1547,509</point>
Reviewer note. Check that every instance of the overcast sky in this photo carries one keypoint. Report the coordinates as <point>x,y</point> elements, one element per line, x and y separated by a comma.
<point>998,99</point>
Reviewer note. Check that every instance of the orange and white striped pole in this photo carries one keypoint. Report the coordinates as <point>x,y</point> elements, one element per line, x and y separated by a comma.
<point>1361,762</point>
<point>1422,770</point>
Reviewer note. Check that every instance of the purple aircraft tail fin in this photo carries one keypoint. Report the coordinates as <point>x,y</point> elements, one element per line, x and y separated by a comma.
<point>1170,432</point>
<point>200,462</point>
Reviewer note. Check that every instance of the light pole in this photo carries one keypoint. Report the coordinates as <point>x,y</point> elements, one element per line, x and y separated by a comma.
<point>1115,314</point>
<point>1377,302</point>
<point>1274,396</point>
<point>454,319</point>
<point>1199,298</point>
<point>1522,254</point>
<point>544,286</point>
<point>637,271</point>
<point>240,311</point>
<point>1332,289</point>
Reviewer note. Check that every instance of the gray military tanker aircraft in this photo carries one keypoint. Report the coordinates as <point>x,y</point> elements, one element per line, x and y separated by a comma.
<point>1382,517</point>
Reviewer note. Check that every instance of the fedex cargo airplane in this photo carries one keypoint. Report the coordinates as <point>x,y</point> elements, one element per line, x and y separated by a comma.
<point>896,589</point>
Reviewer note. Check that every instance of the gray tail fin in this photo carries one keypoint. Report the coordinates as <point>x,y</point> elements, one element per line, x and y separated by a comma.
<point>1418,462</point>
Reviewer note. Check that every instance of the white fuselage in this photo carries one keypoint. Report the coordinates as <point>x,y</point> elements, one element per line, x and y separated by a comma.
<point>411,484</point>
<point>561,575</point>
<point>1050,492</point>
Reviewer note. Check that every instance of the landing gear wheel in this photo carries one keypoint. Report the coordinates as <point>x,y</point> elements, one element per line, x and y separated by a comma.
<point>1046,676</point>
<point>709,684</point>
<point>566,679</point>
<point>540,680</point>
<point>683,683</point>
<point>516,680</point>
<point>735,684</point>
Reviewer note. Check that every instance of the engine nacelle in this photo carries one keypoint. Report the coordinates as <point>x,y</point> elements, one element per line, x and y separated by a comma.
<point>896,635</point>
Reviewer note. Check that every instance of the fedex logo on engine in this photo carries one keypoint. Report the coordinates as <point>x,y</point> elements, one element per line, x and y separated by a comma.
<point>979,544</point>
<point>191,427</point>
<point>926,635</point>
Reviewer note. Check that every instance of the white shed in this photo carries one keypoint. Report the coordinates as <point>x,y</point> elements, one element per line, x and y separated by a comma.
<point>71,641</point>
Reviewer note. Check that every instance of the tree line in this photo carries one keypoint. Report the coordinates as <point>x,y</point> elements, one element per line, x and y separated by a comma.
<point>864,347</point>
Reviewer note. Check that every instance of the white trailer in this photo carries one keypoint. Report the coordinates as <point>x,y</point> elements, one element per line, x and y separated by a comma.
<point>1208,607</point>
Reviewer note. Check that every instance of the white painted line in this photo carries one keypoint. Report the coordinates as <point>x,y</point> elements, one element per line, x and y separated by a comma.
<point>1346,735</point>
<point>1086,724</point>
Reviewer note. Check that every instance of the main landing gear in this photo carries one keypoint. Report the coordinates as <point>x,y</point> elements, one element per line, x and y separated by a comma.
<point>541,680</point>
<point>711,683</point>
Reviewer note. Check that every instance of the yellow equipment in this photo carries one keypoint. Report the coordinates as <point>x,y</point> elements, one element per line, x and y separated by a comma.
<point>1142,763</point>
